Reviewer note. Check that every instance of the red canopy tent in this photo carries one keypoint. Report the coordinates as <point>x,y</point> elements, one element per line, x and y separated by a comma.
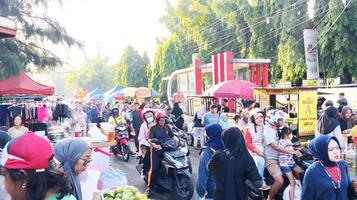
<point>24,85</point>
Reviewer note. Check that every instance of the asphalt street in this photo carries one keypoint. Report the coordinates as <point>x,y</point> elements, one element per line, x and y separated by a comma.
<point>134,178</point>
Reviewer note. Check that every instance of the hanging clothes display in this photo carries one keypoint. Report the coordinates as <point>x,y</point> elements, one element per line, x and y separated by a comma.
<point>42,113</point>
<point>4,115</point>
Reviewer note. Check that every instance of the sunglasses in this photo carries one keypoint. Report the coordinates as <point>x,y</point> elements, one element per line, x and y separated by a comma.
<point>163,119</point>
<point>86,161</point>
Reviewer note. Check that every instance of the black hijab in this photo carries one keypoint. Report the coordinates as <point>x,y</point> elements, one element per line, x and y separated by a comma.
<point>239,167</point>
<point>4,138</point>
<point>176,110</point>
<point>328,121</point>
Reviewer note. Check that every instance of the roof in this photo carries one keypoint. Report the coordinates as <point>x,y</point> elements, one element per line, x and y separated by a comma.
<point>23,85</point>
<point>7,27</point>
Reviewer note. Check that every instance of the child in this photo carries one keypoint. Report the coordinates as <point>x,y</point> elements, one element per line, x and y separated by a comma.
<point>286,161</point>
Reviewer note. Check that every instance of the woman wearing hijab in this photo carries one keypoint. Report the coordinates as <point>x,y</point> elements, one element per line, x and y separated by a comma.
<point>346,121</point>
<point>205,181</point>
<point>224,121</point>
<point>327,178</point>
<point>232,167</point>
<point>177,112</point>
<point>26,169</point>
<point>74,155</point>
<point>198,130</point>
<point>328,124</point>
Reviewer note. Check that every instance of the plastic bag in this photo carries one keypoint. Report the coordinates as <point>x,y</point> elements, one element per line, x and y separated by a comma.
<point>111,179</point>
<point>96,134</point>
<point>297,191</point>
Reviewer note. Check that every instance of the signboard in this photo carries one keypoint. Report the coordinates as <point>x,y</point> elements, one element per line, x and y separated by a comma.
<point>307,112</point>
<point>311,55</point>
<point>264,101</point>
<point>309,82</point>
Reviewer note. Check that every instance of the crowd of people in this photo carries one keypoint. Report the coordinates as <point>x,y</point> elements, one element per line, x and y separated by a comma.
<point>231,153</point>
<point>263,139</point>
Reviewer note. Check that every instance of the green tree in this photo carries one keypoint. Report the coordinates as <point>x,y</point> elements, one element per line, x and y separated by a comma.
<point>168,58</point>
<point>132,69</point>
<point>338,40</point>
<point>34,28</point>
<point>93,73</point>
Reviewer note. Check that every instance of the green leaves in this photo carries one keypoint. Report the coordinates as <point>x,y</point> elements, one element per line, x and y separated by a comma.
<point>93,73</point>
<point>33,29</point>
<point>130,72</point>
<point>267,29</point>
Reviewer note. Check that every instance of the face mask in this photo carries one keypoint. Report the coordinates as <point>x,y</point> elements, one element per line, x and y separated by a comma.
<point>150,120</point>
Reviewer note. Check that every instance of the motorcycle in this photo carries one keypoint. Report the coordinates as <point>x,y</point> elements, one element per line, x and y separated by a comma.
<point>303,161</point>
<point>175,174</point>
<point>122,139</point>
<point>183,134</point>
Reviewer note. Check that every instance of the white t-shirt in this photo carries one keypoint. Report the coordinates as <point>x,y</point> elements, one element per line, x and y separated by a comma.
<point>15,133</point>
<point>142,134</point>
<point>270,137</point>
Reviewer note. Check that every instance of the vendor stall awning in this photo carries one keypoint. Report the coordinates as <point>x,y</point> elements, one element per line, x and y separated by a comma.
<point>232,89</point>
<point>24,85</point>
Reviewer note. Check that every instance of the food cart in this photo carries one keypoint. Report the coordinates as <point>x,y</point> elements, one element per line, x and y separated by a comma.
<point>300,103</point>
<point>194,103</point>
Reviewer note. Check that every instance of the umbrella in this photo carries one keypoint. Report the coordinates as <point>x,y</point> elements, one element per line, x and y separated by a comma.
<point>97,94</point>
<point>232,89</point>
<point>142,93</point>
<point>116,91</point>
<point>129,91</point>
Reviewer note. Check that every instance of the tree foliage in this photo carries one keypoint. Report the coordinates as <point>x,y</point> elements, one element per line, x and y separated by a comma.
<point>169,57</point>
<point>34,28</point>
<point>265,29</point>
<point>93,73</point>
<point>132,68</point>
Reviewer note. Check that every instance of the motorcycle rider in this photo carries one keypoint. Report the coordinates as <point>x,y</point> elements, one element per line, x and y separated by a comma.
<point>162,132</point>
<point>271,152</point>
<point>115,119</point>
<point>144,145</point>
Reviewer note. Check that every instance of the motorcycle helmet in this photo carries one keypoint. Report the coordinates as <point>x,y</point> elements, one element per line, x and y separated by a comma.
<point>146,112</point>
<point>160,116</point>
<point>115,111</point>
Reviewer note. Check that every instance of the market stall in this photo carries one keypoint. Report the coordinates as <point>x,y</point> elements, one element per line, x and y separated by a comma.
<point>299,102</point>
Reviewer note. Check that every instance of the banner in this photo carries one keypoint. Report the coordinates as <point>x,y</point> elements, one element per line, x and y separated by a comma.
<point>311,55</point>
<point>307,112</point>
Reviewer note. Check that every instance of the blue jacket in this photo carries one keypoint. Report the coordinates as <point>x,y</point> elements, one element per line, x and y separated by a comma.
<point>205,179</point>
<point>318,186</point>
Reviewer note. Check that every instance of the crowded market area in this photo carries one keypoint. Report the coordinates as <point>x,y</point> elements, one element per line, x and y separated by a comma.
<point>222,127</point>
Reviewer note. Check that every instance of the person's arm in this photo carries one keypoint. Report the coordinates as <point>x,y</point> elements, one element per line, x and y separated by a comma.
<point>248,141</point>
<point>253,174</point>
<point>142,132</point>
<point>202,177</point>
<point>203,120</point>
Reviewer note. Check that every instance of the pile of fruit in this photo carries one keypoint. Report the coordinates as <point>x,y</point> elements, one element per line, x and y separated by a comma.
<point>124,193</point>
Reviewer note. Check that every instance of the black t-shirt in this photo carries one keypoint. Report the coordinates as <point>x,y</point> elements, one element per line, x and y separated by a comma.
<point>162,134</point>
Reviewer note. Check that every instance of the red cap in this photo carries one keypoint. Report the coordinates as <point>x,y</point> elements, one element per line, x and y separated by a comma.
<point>29,151</point>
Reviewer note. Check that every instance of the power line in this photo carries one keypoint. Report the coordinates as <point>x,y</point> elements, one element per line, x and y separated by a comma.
<point>246,28</point>
<point>277,13</point>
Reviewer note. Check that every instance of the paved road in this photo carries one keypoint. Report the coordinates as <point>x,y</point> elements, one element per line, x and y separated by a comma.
<point>134,177</point>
